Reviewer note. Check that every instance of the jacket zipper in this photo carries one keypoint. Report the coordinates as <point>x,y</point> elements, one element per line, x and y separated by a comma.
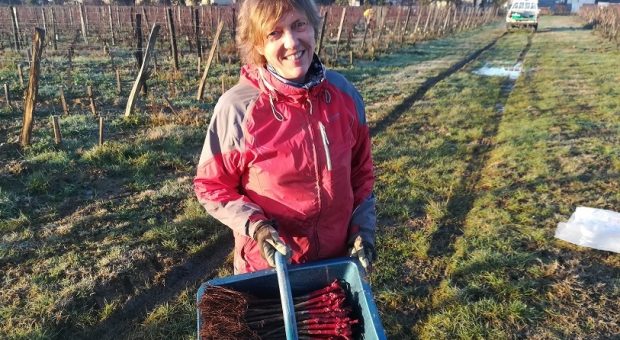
<point>318,177</point>
<point>326,146</point>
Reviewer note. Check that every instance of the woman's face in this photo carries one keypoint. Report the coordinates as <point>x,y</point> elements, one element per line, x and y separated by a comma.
<point>289,46</point>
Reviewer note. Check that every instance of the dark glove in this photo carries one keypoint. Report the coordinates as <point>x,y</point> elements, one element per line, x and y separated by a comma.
<point>269,242</point>
<point>363,251</point>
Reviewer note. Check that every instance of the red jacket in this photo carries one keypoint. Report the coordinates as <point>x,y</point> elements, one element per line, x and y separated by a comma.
<point>298,156</point>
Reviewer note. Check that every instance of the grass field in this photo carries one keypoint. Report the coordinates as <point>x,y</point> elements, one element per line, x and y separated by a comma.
<point>472,179</point>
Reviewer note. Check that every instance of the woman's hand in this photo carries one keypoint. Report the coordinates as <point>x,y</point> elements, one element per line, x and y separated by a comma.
<point>363,251</point>
<point>269,242</point>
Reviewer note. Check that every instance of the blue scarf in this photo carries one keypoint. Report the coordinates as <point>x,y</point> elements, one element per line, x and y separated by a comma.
<point>314,76</point>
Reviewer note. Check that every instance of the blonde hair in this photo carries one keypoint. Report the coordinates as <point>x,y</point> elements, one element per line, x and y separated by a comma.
<point>256,17</point>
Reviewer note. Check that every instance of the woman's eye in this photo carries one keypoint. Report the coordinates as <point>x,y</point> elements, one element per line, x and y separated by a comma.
<point>273,35</point>
<point>299,25</point>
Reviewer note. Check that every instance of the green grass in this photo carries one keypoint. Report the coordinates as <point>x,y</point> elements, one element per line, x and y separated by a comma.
<point>549,155</point>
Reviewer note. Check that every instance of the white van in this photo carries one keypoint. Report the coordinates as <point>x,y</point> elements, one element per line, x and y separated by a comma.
<point>522,14</point>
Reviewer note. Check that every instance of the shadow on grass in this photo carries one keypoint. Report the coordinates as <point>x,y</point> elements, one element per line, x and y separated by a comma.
<point>406,104</point>
<point>528,272</point>
<point>191,273</point>
<point>564,29</point>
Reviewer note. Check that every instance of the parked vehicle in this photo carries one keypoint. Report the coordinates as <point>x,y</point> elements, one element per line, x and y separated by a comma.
<point>221,2</point>
<point>522,14</point>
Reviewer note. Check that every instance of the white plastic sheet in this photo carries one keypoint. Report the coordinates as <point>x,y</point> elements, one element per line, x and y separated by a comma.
<point>594,228</point>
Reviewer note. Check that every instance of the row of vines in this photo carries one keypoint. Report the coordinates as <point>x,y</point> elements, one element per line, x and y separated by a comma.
<point>603,19</point>
<point>92,55</point>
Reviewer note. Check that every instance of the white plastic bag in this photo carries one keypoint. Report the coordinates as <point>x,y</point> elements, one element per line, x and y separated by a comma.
<point>594,228</point>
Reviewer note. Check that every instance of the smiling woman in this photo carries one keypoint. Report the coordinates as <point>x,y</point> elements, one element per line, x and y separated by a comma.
<point>289,46</point>
<point>286,162</point>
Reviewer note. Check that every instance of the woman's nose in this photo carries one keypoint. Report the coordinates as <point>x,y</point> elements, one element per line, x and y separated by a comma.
<point>290,39</point>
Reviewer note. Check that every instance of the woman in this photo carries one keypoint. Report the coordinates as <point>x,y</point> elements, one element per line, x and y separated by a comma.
<point>287,163</point>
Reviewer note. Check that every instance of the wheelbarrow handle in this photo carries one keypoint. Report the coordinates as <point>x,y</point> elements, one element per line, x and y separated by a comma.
<point>286,297</point>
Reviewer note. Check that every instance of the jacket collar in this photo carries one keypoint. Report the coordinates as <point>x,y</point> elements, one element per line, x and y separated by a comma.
<point>275,86</point>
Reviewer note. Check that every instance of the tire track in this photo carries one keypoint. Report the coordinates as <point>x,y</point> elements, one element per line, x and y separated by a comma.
<point>408,102</point>
<point>450,227</point>
<point>461,202</point>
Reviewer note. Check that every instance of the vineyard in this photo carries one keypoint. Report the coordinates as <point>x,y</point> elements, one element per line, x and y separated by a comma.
<point>605,20</point>
<point>93,55</point>
<point>104,113</point>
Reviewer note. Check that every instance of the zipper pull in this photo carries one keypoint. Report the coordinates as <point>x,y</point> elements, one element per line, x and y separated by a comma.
<point>323,133</point>
<point>328,158</point>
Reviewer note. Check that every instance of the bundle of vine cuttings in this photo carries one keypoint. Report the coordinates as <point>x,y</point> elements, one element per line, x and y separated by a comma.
<point>230,314</point>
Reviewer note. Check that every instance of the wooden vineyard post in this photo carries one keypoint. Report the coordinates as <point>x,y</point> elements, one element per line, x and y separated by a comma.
<point>118,18</point>
<point>318,50</point>
<point>56,127</point>
<point>197,32</point>
<point>396,25</point>
<point>139,54</point>
<point>16,41</point>
<point>101,137</point>
<point>428,19</point>
<point>366,26</point>
<point>417,24</point>
<point>173,39</point>
<point>83,23</point>
<point>454,25</point>
<point>6,95</point>
<point>33,87</point>
<point>203,80</point>
<point>111,25</point>
<point>155,61</point>
<point>468,15</point>
<point>63,102</point>
<point>233,31</point>
<point>54,35</point>
<point>445,22</point>
<point>349,40</point>
<point>119,89</point>
<point>472,17</point>
<point>212,18</point>
<point>20,74</point>
<point>434,29</point>
<point>70,16</point>
<point>91,99</point>
<point>146,19</point>
<point>381,22</point>
<point>43,18</point>
<point>459,22</point>
<point>179,9</point>
<point>344,13</point>
<point>404,29</point>
<point>147,56</point>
